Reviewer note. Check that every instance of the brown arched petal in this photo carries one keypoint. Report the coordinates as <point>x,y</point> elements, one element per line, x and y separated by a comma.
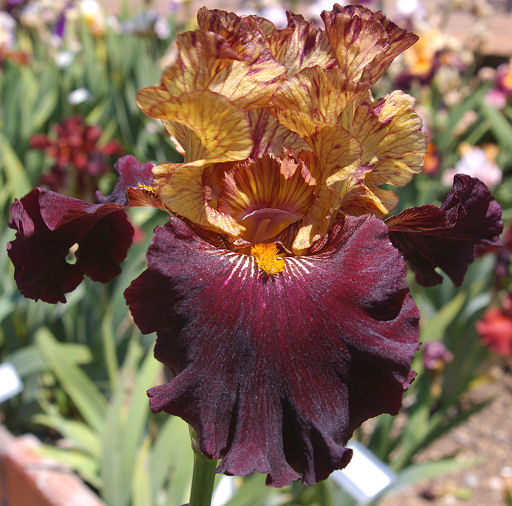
<point>445,237</point>
<point>47,225</point>
<point>274,372</point>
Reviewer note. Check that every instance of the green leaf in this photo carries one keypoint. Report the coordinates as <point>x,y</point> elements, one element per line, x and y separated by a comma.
<point>141,483</point>
<point>82,391</point>
<point>435,328</point>
<point>500,126</point>
<point>425,471</point>
<point>15,173</point>
<point>84,465</point>
<point>78,433</point>
<point>253,492</point>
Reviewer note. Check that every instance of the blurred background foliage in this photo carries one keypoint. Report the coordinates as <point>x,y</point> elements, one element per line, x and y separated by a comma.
<point>85,366</point>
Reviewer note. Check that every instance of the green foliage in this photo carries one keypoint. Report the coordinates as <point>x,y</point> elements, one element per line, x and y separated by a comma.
<point>85,366</point>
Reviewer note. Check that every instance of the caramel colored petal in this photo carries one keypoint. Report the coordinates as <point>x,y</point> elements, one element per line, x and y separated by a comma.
<point>218,130</point>
<point>365,42</point>
<point>250,85</point>
<point>180,187</point>
<point>390,130</point>
<point>301,45</point>
<point>270,137</point>
<point>314,93</point>
<point>356,38</point>
<point>201,56</point>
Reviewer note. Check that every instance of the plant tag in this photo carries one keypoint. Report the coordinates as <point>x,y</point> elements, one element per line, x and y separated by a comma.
<point>10,382</point>
<point>366,476</point>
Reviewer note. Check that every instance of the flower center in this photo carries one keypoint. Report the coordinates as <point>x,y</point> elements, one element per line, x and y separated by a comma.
<point>266,256</point>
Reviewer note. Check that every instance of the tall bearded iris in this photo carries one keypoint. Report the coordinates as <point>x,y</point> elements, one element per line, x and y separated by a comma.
<point>276,289</point>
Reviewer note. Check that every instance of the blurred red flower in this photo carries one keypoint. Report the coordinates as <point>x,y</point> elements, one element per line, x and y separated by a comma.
<point>79,159</point>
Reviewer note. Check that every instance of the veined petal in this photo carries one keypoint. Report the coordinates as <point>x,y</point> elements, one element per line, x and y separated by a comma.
<point>275,372</point>
<point>218,130</point>
<point>364,42</point>
<point>390,130</point>
<point>446,238</point>
<point>301,45</point>
<point>267,195</point>
<point>47,225</point>
<point>313,92</point>
<point>201,56</point>
<point>181,188</point>
<point>270,137</point>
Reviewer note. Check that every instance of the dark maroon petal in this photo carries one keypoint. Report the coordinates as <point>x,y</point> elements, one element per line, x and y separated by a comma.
<point>275,372</point>
<point>132,174</point>
<point>47,225</point>
<point>446,237</point>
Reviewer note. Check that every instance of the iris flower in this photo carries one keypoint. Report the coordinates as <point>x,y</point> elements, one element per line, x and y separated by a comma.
<point>276,288</point>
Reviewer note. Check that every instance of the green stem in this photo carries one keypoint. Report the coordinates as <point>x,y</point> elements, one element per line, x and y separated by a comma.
<point>203,478</point>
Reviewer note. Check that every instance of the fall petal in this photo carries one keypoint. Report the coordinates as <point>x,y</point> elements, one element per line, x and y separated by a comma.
<point>50,224</point>
<point>275,372</point>
<point>446,238</point>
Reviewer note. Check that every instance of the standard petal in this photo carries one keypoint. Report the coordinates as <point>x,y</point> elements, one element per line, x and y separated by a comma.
<point>218,130</point>
<point>47,225</point>
<point>274,372</point>
<point>131,174</point>
<point>445,238</point>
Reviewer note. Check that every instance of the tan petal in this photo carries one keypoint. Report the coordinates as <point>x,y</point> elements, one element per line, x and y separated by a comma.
<point>301,45</point>
<point>267,195</point>
<point>201,56</point>
<point>250,85</point>
<point>317,220</point>
<point>364,42</point>
<point>321,95</point>
<point>180,187</point>
<point>390,133</point>
<point>270,137</point>
<point>218,131</point>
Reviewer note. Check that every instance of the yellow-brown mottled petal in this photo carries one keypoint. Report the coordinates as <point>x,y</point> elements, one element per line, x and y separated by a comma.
<point>317,219</point>
<point>356,37</point>
<point>338,151</point>
<point>267,195</point>
<point>250,85</point>
<point>390,133</point>
<point>364,42</point>
<point>312,92</point>
<point>301,45</point>
<point>218,130</point>
<point>201,55</point>
<point>180,188</point>
<point>270,137</point>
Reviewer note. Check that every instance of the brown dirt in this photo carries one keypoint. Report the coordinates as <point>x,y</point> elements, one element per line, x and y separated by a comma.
<point>486,437</point>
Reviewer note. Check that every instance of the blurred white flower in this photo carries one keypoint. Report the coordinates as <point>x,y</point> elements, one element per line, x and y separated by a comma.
<point>476,162</point>
<point>63,59</point>
<point>79,96</point>
<point>7,30</point>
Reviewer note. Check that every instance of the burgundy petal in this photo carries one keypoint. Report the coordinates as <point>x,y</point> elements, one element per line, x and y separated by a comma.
<point>131,174</point>
<point>47,225</point>
<point>430,237</point>
<point>275,372</point>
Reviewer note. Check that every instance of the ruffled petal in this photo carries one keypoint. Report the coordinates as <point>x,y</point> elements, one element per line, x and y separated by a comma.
<point>47,225</point>
<point>300,46</point>
<point>364,42</point>
<point>131,174</point>
<point>429,237</point>
<point>274,372</point>
<point>218,130</point>
<point>391,131</point>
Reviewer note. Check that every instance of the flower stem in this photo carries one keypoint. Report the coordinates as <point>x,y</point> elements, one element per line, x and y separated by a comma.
<point>203,478</point>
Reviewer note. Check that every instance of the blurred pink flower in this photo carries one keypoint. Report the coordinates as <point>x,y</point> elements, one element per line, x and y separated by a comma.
<point>477,162</point>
